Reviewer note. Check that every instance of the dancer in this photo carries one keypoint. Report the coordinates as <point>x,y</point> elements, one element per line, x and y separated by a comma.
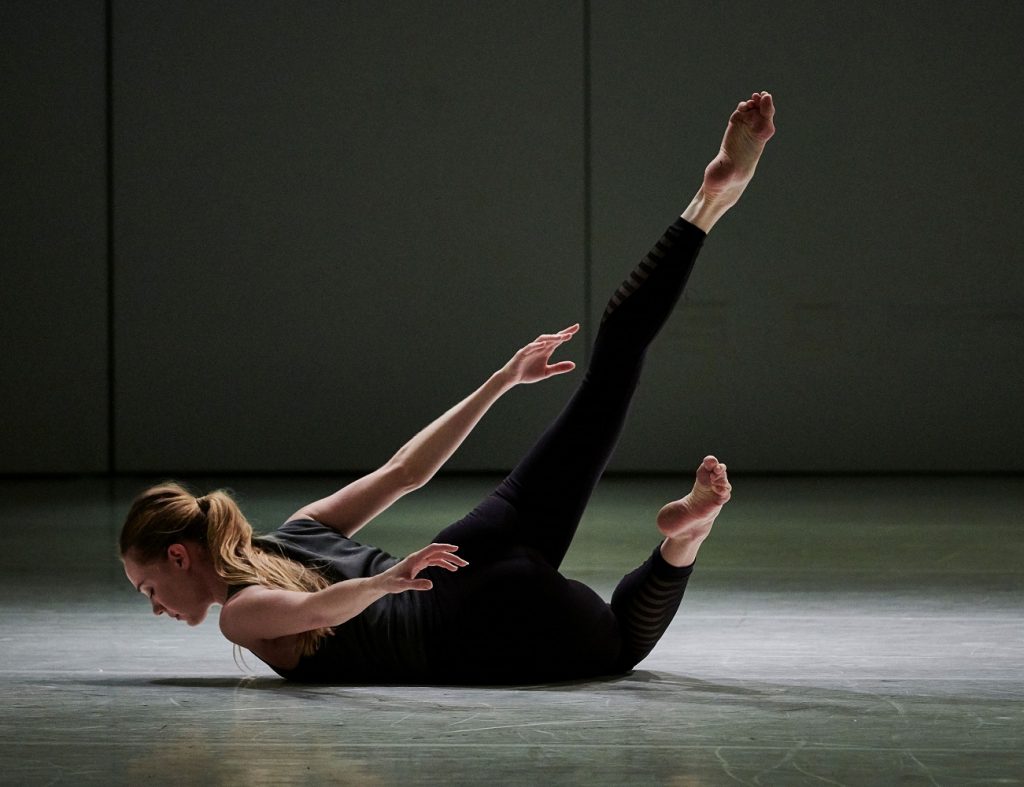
<point>485,603</point>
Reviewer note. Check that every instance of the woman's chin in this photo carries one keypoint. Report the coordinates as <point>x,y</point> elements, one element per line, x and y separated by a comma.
<point>195,620</point>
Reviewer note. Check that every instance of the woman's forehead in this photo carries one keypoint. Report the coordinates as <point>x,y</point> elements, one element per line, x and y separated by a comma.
<point>134,571</point>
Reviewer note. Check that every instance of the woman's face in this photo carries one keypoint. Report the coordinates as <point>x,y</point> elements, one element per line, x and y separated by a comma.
<point>172,585</point>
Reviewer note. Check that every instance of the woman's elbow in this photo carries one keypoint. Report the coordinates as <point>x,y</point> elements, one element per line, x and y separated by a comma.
<point>406,477</point>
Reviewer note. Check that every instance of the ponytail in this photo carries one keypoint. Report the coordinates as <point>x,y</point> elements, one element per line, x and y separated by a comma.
<point>169,514</point>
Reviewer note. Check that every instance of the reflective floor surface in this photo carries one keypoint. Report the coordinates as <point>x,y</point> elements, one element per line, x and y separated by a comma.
<point>837,631</point>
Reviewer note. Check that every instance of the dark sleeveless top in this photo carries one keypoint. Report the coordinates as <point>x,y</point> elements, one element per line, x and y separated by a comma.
<point>386,642</point>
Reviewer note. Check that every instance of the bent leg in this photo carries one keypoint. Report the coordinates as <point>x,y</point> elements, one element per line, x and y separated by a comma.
<point>644,602</point>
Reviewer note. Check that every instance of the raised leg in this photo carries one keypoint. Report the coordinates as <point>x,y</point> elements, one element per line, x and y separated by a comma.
<point>545,495</point>
<point>549,489</point>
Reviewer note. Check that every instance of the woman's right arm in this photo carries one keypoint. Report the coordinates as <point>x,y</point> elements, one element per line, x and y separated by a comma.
<point>260,613</point>
<point>351,507</point>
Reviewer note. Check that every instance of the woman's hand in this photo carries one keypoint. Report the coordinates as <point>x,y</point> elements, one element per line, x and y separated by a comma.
<point>403,575</point>
<point>530,364</point>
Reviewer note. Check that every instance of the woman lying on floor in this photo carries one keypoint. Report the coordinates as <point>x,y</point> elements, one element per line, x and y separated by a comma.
<point>485,603</point>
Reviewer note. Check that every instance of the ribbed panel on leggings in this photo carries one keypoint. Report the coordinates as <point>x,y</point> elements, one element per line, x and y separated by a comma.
<point>644,603</point>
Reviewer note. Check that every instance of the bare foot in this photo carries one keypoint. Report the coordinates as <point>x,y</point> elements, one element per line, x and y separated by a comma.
<point>750,127</point>
<point>691,518</point>
<point>725,178</point>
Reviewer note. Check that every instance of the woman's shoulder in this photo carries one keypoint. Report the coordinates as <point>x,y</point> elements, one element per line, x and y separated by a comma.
<point>302,532</point>
<point>234,590</point>
<point>313,543</point>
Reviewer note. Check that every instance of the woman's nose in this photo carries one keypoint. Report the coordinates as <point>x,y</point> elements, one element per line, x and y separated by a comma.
<point>157,609</point>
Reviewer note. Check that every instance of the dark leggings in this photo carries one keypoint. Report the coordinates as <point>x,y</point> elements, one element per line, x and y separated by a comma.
<point>511,615</point>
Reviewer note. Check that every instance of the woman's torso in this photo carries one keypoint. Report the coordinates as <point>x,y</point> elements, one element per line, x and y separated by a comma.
<point>386,641</point>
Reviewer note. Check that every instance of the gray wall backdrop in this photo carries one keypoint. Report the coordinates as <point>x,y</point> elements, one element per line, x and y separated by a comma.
<point>331,220</point>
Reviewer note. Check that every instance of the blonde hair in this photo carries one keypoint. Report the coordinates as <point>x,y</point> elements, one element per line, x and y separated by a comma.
<point>170,514</point>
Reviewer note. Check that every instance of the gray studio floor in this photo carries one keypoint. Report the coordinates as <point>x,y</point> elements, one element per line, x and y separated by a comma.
<point>845,631</point>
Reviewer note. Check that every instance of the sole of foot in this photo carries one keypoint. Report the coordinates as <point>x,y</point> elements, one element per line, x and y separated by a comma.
<point>750,127</point>
<point>692,516</point>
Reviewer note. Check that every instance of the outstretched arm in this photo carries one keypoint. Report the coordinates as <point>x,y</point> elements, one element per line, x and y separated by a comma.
<point>415,463</point>
<point>258,614</point>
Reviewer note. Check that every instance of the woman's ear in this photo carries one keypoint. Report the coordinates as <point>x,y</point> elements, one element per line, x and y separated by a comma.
<point>178,555</point>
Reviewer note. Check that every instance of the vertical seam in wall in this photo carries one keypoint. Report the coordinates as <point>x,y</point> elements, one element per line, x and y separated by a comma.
<point>111,370</point>
<point>588,258</point>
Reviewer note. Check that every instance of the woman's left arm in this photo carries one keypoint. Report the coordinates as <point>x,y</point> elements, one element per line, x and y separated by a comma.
<point>415,463</point>
<point>257,615</point>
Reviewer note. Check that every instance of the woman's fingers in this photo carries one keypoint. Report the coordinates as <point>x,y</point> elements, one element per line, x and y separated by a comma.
<point>548,342</point>
<point>560,368</point>
<point>447,566</point>
<point>437,549</point>
<point>563,335</point>
<point>546,348</point>
<point>439,555</point>
<point>404,575</point>
<point>448,549</point>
